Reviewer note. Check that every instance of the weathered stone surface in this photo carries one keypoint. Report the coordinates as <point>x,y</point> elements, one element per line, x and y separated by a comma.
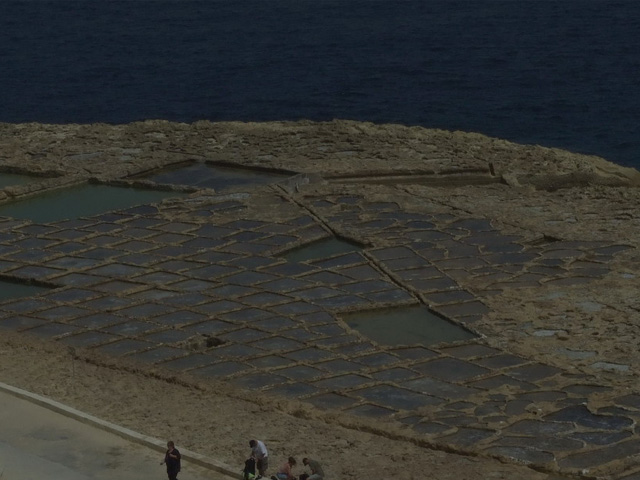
<point>530,255</point>
<point>535,428</point>
<point>583,417</point>
<point>221,369</point>
<point>438,388</point>
<point>396,398</point>
<point>467,436</point>
<point>601,456</point>
<point>451,369</point>
<point>158,354</point>
<point>522,454</point>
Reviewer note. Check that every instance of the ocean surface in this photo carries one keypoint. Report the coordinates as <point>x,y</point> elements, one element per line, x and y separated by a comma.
<point>550,72</point>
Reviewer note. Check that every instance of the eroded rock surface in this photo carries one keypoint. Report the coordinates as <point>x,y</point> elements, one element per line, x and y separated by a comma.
<point>533,249</point>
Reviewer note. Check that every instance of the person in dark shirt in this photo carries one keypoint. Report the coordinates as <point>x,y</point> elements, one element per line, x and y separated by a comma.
<point>172,460</point>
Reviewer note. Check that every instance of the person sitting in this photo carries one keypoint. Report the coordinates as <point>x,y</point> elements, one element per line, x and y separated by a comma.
<point>285,471</point>
<point>316,470</point>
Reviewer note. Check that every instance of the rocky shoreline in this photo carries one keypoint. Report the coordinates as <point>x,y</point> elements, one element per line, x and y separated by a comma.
<point>573,307</point>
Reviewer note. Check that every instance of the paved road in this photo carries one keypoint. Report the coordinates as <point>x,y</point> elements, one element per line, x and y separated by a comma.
<point>39,444</point>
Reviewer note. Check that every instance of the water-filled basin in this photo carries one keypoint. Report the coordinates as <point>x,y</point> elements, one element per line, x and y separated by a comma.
<point>406,326</point>
<point>217,177</point>
<point>9,179</point>
<point>10,290</point>
<point>82,201</point>
<point>325,248</point>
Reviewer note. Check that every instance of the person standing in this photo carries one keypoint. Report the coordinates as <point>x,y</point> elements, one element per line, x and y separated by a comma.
<point>259,452</point>
<point>172,460</point>
<point>316,470</point>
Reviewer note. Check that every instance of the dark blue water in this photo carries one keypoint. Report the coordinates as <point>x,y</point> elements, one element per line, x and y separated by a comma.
<point>557,73</point>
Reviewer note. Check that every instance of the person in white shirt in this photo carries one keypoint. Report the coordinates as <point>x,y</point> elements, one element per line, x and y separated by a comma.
<point>259,452</point>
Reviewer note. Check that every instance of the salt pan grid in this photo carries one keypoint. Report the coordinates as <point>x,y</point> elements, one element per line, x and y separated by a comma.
<point>210,294</point>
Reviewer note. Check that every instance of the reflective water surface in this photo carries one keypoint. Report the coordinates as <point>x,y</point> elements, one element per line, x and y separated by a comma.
<point>81,201</point>
<point>406,326</point>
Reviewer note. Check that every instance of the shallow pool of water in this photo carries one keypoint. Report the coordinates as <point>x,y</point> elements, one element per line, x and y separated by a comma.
<point>9,179</point>
<point>406,326</point>
<point>204,175</point>
<point>325,248</point>
<point>81,201</point>
<point>10,290</point>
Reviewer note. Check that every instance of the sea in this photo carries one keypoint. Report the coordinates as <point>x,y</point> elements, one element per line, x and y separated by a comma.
<point>558,73</point>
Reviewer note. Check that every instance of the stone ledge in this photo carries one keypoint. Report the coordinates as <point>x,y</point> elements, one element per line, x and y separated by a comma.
<point>125,433</point>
